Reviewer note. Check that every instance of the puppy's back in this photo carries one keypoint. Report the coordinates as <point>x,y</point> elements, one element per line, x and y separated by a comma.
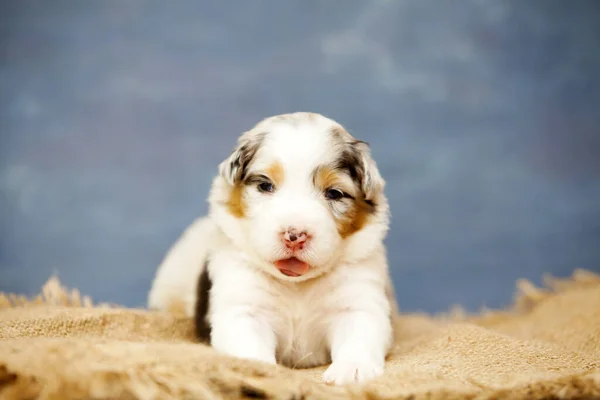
<point>174,286</point>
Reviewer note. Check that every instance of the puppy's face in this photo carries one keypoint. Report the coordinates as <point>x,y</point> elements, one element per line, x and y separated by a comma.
<point>299,195</point>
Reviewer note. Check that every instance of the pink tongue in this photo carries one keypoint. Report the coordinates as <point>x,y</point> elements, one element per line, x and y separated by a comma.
<point>292,267</point>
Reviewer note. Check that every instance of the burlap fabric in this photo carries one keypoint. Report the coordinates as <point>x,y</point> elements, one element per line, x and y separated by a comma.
<point>59,346</point>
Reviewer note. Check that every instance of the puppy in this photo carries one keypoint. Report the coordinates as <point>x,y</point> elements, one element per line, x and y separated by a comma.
<point>290,266</point>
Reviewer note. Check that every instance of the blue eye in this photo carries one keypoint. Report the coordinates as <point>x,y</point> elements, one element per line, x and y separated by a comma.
<point>334,194</point>
<point>265,187</point>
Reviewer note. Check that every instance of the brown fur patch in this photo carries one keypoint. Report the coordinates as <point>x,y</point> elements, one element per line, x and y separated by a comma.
<point>235,203</point>
<point>355,218</point>
<point>275,172</point>
<point>357,214</point>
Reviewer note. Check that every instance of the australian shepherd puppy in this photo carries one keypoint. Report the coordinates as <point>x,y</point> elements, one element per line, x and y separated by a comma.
<point>290,266</point>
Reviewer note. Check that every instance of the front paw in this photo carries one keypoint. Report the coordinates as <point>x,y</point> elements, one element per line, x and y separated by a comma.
<point>344,372</point>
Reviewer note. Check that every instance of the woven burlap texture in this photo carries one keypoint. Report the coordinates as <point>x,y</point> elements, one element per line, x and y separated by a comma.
<point>58,345</point>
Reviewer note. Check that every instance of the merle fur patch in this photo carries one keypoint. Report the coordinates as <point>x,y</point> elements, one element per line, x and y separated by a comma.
<point>202,325</point>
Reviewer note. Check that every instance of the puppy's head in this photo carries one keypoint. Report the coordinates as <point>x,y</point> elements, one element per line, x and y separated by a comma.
<point>299,195</point>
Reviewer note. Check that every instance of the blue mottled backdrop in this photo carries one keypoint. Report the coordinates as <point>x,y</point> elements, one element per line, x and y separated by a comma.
<point>483,115</point>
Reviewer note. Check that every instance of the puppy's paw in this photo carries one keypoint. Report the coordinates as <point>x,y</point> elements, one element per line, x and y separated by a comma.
<point>344,372</point>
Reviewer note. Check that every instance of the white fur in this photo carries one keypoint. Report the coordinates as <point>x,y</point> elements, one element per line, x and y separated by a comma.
<point>340,311</point>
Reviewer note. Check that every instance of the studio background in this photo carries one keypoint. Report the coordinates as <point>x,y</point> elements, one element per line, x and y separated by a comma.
<point>483,117</point>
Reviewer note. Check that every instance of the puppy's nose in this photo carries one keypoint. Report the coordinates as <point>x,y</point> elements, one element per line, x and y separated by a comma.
<point>294,238</point>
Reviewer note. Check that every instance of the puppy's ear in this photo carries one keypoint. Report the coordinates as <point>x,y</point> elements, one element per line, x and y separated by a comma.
<point>234,168</point>
<point>369,178</point>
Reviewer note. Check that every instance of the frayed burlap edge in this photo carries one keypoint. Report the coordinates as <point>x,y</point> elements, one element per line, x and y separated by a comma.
<point>526,297</point>
<point>53,294</point>
<point>228,383</point>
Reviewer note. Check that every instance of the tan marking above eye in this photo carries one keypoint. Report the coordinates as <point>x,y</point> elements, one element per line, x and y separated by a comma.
<point>275,173</point>
<point>326,178</point>
<point>236,204</point>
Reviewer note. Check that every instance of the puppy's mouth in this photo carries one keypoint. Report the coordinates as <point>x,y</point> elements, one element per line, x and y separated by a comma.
<point>292,267</point>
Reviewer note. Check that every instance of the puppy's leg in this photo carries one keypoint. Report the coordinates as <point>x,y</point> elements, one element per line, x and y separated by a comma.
<point>359,341</point>
<point>240,326</point>
<point>239,334</point>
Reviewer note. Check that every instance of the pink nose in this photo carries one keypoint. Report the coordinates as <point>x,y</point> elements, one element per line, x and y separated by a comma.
<point>294,239</point>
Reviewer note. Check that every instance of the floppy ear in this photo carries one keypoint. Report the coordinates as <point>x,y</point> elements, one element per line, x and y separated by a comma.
<point>370,179</point>
<point>233,169</point>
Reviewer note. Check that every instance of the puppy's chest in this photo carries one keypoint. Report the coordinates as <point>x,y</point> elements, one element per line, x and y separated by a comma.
<point>301,320</point>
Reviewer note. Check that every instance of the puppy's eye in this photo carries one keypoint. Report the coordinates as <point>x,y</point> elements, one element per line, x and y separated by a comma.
<point>265,187</point>
<point>334,194</point>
